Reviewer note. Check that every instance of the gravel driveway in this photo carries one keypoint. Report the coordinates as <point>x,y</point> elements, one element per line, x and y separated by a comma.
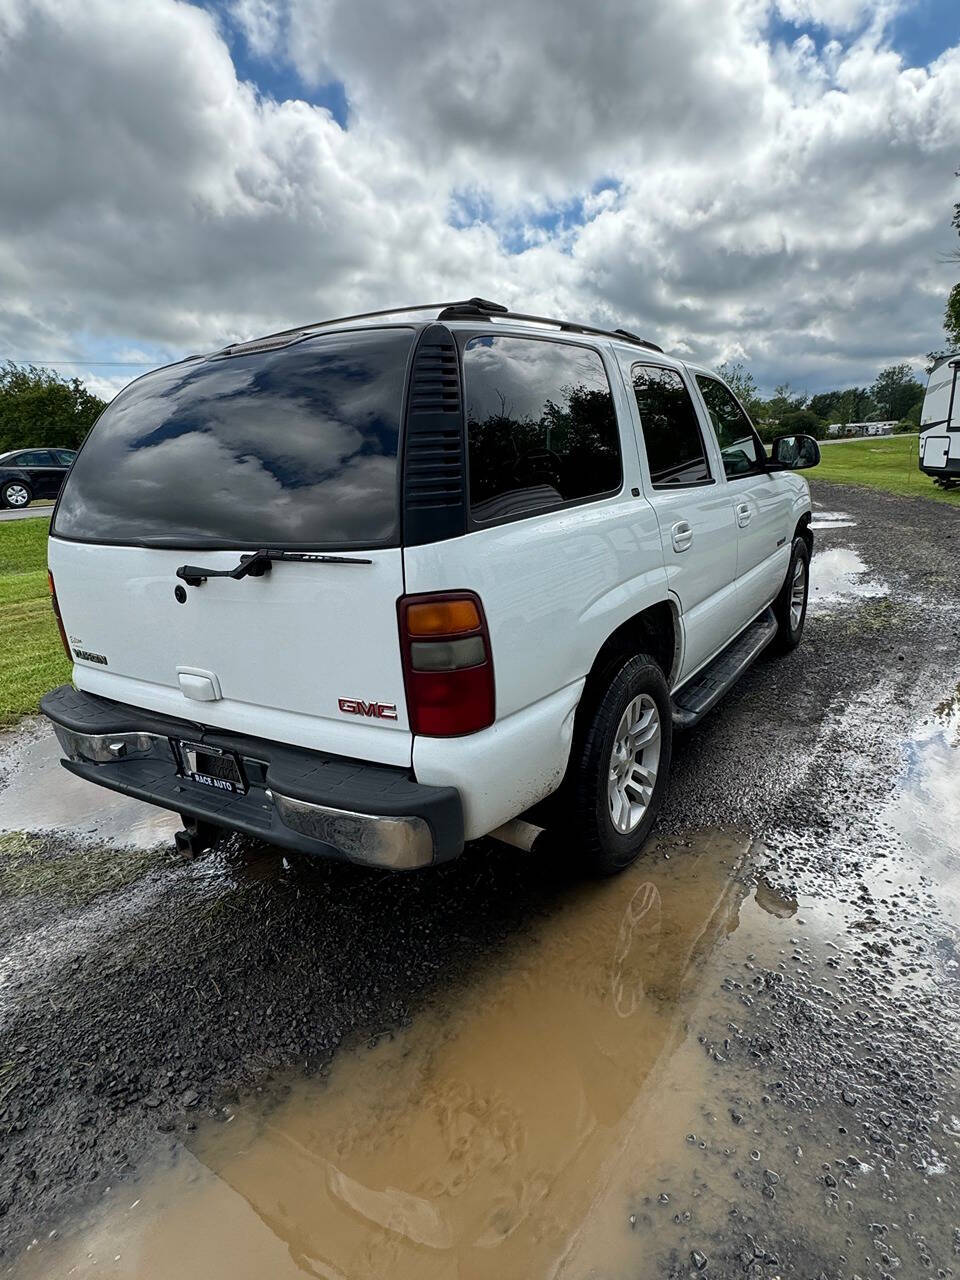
<point>738,1059</point>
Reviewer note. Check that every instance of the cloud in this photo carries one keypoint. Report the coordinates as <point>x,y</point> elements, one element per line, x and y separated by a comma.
<point>678,171</point>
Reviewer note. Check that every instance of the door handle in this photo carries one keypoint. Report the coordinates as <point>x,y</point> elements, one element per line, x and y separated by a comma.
<point>744,514</point>
<point>682,535</point>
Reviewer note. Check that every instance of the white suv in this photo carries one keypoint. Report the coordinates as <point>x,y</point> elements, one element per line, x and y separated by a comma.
<point>379,586</point>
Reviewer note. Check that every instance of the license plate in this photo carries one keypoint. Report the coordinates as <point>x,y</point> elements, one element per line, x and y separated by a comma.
<point>212,767</point>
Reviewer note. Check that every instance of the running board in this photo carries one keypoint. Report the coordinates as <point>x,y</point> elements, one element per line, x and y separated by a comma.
<point>708,686</point>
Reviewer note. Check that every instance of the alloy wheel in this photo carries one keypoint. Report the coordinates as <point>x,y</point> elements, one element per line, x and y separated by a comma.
<point>634,761</point>
<point>798,593</point>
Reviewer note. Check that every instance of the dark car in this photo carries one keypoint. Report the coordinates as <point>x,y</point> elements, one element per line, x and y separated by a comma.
<point>26,474</point>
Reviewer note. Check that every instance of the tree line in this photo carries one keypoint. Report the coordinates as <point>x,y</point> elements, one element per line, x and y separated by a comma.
<point>39,408</point>
<point>896,395</point>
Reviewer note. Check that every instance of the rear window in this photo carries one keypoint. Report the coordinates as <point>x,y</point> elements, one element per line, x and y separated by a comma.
<point>541,426</point>
<point>294,447</point>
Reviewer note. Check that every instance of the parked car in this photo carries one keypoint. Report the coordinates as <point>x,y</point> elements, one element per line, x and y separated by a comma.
<point>382,585</point>
<point>26,474</point>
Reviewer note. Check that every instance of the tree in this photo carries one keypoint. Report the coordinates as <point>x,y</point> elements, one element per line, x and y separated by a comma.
<point>951,317</point>
<point>783,401</point>
<point>896,391</point>
<point>37,407</point>
<point>911,419</point>
<point>825,405</point>
<point>802,422</point>
<point>856,404</point>
<point>740,381</point>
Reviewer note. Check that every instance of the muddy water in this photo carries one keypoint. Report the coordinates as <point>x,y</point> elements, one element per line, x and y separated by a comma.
<point>37,794</point>
<point>926,810</point>
<point>479,1141</point>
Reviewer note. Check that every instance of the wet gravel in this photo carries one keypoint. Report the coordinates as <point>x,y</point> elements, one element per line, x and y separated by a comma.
<point>130,1014</point>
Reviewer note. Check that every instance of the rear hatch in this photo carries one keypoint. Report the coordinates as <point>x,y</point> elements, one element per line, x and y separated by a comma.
<point>293,448</point>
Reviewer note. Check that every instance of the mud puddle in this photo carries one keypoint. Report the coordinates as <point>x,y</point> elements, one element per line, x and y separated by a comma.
<point>823,520</point>
<point>839,575</point>
<point>477,1142</point>
<point>926,809</point>
<point>606,1100</point>
<point>38,795</point>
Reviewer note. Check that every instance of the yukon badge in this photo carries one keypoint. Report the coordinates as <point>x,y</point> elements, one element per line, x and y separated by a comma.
<point>378,710</point>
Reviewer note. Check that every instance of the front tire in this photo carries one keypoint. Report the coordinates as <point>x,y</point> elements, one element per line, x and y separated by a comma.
<point>790,606</point>
<point>619,766</point>
<point>15,494</point>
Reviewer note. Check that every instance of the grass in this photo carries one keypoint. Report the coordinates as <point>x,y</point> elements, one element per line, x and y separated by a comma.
<point>31,868</point>
<point>31,655</point>
<point>890,464</point>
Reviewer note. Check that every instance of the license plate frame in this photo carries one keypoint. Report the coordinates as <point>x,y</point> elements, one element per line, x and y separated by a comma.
<point>212,767</point>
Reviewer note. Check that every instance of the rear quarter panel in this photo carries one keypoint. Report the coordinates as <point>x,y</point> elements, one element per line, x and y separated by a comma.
<point>553,587</point>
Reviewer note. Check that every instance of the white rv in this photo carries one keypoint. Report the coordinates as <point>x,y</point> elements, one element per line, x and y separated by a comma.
<point>940,424</point>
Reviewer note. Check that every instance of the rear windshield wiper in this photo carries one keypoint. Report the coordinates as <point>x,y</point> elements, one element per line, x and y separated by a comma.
<point>259,563</point>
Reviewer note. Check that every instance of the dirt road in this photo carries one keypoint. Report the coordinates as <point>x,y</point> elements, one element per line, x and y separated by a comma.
<point>738,1059</point>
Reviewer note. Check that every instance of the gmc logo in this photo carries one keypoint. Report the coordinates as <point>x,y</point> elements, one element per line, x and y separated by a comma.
<point>379,710</point>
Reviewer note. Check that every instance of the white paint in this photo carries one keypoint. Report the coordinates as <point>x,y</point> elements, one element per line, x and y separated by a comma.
<point>283,648</point>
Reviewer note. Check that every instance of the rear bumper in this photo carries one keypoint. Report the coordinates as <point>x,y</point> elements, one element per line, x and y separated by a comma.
<point>377,815</point>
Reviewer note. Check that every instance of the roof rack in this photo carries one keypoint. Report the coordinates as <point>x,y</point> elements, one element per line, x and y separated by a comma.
<point>480,309</point>
<point>466,309</point>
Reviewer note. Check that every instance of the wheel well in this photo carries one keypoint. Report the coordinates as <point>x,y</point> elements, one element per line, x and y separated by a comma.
<point>804,531</point>
<point>653,631</point>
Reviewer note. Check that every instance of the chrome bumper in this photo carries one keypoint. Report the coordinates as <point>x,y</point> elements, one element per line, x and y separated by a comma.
<point>146,765</point>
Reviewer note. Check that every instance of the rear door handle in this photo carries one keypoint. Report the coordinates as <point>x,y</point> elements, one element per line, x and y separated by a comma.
<point>744,514</point>
<point>682,535</point>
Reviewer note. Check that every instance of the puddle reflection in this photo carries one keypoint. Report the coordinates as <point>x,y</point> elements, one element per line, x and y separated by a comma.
<point>832,520</point>
<point>839,574</point>
<point>39,795</point>
<point>926,808</point>
<point>478,1141</point>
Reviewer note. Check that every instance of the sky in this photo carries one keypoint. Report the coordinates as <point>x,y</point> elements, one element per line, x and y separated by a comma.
<point>769,181</point>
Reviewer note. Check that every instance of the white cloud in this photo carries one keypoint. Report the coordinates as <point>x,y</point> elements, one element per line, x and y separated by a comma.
<point>777,203</point>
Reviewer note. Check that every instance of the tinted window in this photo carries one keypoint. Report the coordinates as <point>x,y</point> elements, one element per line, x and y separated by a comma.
<point>541,426</point>
<point>290,447</point>
<point>64,456</point>
<point>671,432</point>
<point>742,452</point>
<point>40,458</point>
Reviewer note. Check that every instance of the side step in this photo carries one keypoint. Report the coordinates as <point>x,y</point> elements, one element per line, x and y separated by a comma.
<point>692,702</point>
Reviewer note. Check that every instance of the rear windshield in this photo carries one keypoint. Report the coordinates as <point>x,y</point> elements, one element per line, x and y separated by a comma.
<point>295,447</point>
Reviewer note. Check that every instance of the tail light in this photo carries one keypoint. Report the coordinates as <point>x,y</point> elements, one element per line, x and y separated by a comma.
<point>56,611</point>
<point>447,665</point>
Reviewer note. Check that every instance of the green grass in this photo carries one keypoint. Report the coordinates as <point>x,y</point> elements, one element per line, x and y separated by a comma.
<point>31,655</point>
<point>879,463</point>
<point>32,867</point>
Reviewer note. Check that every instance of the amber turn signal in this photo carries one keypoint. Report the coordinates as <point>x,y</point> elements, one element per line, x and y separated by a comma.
<point>442,618</point>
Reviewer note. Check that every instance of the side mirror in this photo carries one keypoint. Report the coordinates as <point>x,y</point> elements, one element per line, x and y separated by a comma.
<point>795,453</point>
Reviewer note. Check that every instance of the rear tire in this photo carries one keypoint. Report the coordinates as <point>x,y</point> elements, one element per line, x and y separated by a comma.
<point>790,606</point>
<point>619,767</point>
<point>16,494</point>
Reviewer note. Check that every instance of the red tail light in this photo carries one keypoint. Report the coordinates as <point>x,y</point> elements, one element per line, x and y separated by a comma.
<point>56,610</point>
<point>447,665</point>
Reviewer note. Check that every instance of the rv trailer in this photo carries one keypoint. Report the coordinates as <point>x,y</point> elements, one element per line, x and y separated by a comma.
<point>940,424</point>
